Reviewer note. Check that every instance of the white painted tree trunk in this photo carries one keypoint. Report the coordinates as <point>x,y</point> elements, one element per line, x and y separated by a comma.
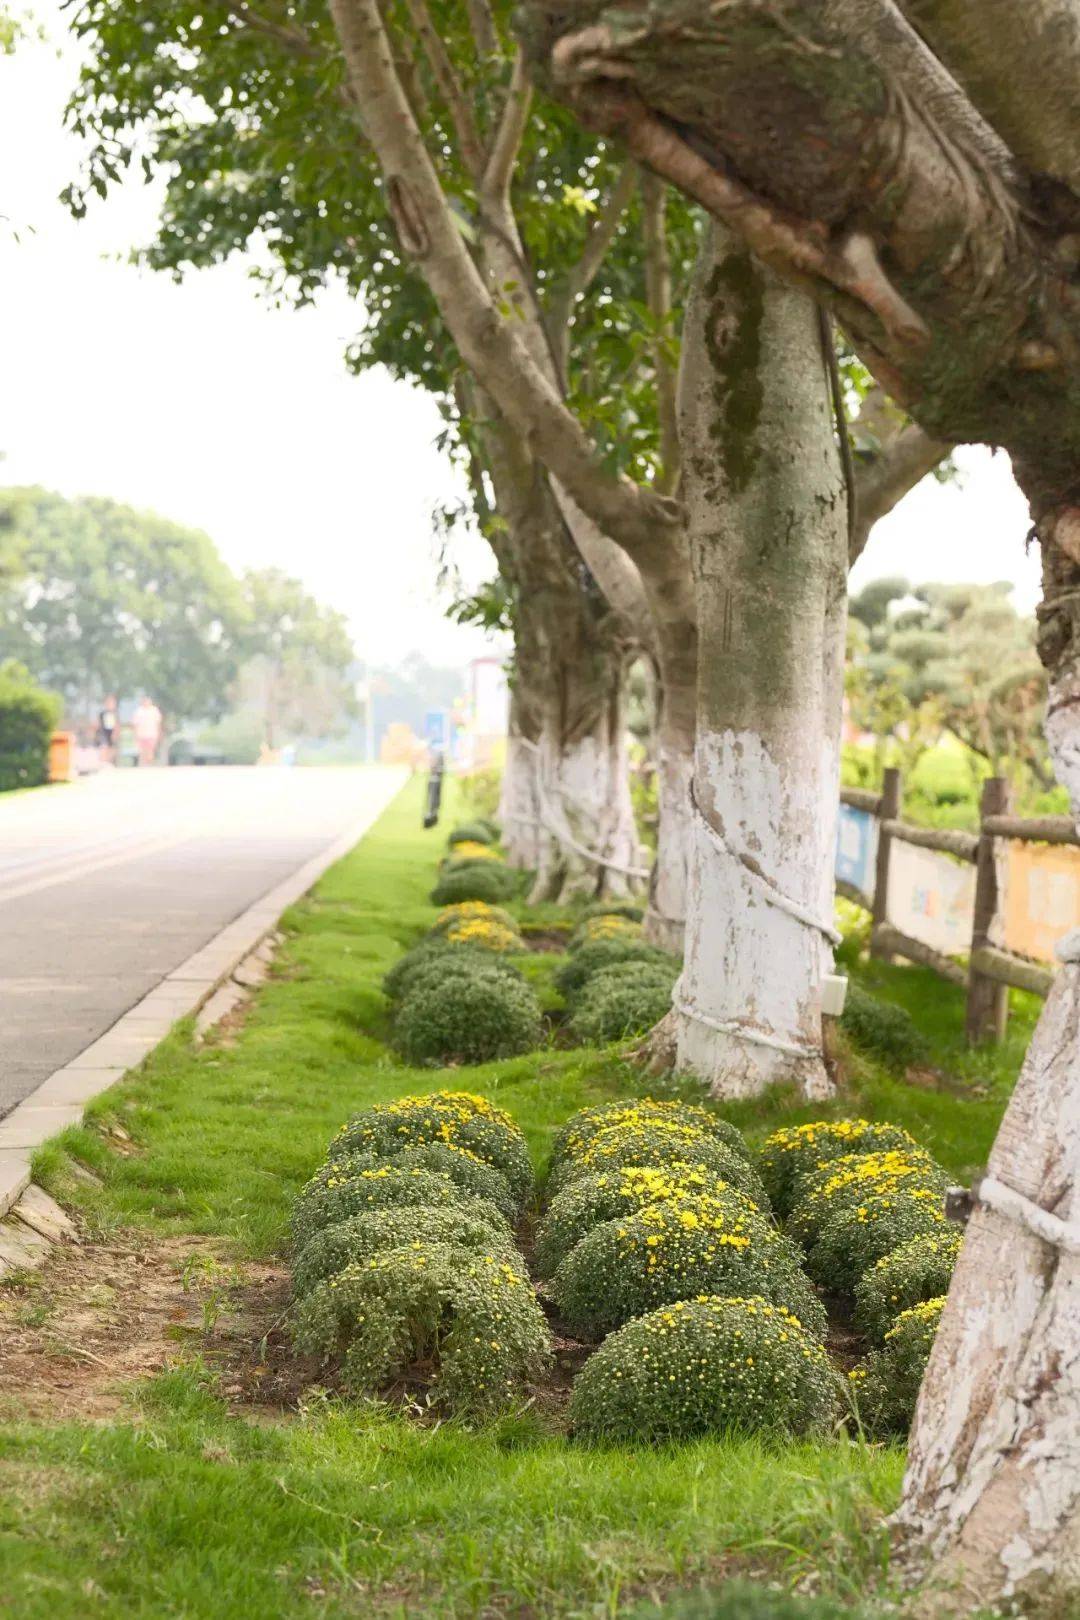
<point>589,837</point>
<point>665,918</point>
<point>992,1492</point>
<point>519,807</point>
<point>766,513</point>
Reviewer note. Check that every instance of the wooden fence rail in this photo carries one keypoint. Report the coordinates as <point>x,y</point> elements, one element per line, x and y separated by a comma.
<point>990,970</point>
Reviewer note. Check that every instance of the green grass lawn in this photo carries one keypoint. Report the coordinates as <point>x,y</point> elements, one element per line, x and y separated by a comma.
<point>187,1506</point>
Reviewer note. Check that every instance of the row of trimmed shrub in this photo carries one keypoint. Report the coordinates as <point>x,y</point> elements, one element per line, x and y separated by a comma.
<point>867,1204</point>
<point>658,1233</point>
<point>404,1254</point>
<point>614,984</point>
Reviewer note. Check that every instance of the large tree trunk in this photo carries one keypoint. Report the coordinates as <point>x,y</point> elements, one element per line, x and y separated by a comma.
<point>992,1492</point>
<point>519,806</point>
<point>766,514</point>
<point>665,918</point>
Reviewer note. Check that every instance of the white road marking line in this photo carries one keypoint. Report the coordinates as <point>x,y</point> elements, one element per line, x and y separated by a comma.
<point>50,880</point>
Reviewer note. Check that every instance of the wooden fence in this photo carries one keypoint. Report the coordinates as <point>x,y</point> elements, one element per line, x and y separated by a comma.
<point>990,969</point>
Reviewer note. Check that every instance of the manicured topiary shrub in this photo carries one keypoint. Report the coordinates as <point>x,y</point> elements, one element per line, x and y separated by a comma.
<point>469,911</point>
<point>855,1239</point>
<point>593,1199</point>
<point>619,1002</point>
<point>608,926</point>
<point>614,908</point>
<point>847,1182</point>
<point>677,1250</point>
<point>475,880</point>
<point>485,934</point>
<point>602,953</point>
<point>705,1366</point>
<point>886,1384</point>
<point>438,958</point>
<point>916,1271</point>
<point>882,1030</point>
<point>789,1153</point>
<point>470,1224</point>
<point>464,1120</point>
<point>471,832</point>
<point>464,854</point>
<point>580,1129</point>
<point>468,1020</point>
<point>476,1315</point>
<point>654,1143</point>
<point>342,1188</point>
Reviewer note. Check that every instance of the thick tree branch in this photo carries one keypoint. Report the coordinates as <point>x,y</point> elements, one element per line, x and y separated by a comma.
<point>499,170</point>
<point>453,96</point>
<point>489,345</point>
<point>1020,64</point>
<point>482,23</point>
<point>658,297</point>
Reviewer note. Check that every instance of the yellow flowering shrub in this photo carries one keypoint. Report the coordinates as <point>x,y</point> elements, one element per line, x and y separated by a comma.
<point>919,1270</point>
<point>343,1187</point>
<point>470,1223</point>
<point>712,1243</point>
<point>789,1153</point>
<point>471,832</point>
<point>470,849</point>
<point>458,1119</point>
<point>581,1128</point>
<point>610,1195</point>
<point>705,1366</point>
<point>655,1142</point>
<point>473,1316</point>
<point>470,911</point>
<point>608,926</point>
<point>485,934</point>
<point>885,1385</point>
<point>855,1238</point>
<point>437,958</point>
<point>846,1182</point>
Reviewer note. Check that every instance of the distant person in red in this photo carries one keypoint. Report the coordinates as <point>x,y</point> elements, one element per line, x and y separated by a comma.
<point>147,724</point>
<point>108,729</point>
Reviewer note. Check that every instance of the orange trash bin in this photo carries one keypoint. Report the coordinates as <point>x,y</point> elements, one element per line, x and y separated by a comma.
<point>62,757</point>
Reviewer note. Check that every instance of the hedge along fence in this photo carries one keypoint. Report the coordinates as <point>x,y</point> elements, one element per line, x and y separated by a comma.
<point>27,718</point>
<point>1005,915</point>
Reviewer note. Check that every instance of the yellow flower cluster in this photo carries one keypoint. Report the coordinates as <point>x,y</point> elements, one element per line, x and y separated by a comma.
<point>795,1151</point>
<point>470,850</point>
<point>595,928</point>
<point>486,933</point>
<point>465,911</point>
<point>848,1181</point>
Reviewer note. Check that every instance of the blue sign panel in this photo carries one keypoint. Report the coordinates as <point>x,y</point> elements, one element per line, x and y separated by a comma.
<point>856,848</point>
<point>437,729</point>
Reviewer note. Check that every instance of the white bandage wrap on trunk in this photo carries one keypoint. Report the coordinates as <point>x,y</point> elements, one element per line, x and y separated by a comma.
<point>1004,1200</point>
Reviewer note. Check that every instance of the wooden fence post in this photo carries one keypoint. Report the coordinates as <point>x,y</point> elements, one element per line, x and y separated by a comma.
<point>888,810</point>
<point>987,1001</point>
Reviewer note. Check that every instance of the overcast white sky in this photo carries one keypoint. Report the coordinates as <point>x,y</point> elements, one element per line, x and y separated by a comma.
<point>202,403</point>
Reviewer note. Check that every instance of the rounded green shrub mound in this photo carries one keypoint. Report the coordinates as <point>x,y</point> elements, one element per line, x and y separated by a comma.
<point>602,953</point>
<point>475,880</point>
<point>886,1384</point>
<point>469,911</point>
<point>470,1224</point>
<point>437,957</point>
<point>464,1120</point>
<point>470,832</point>
<point>475,1315</point>
<point>705,1366</point>
<point>655,1143</point>
<point>919,1270</point>
<point>344,1187</point>
<point>580,1129</point>
<point>468,1020</point>
<point>789,1153</point>
<point>847,1182</point>
<point>676,1250</point>
<point>608,1196</point>
<point>614,908</point>
<point>616,1004</point>
<point>882,1030</point>
<point>606,927</point>
<point>855,1239</point>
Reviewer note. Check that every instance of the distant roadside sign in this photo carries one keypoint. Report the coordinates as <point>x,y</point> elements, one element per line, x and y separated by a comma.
<point>437,729</point>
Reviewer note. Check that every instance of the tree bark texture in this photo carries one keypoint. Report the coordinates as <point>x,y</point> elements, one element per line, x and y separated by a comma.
<point>767,522</point>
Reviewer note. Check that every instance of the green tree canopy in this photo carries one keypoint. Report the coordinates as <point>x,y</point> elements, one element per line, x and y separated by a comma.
<point>297,657</point>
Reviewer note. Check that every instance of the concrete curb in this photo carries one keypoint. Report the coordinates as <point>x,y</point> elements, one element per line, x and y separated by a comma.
<point>60,1100</point>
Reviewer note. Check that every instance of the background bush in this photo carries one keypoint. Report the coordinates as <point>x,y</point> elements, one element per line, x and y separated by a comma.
<point>678,1250</point>
<point>919,1270</point>
<point>794,1150</point>
<point>479,880</point>
<point>466,909</point>
<point>621,1001</point>
<point>614,908</point>
<point>439,958</point>
<point>602,953</point>
<point>608,926</point>
<point>886,1384</point>
<point>704,1366</point>
<point>468,1020</point>
<point>469,1223</point>
<point>28,718</point>
<point>471,832</point>
<point>882,1030</point>
<point>475,1316</point>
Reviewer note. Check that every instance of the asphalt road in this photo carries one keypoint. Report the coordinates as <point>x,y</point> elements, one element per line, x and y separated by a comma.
<point>109,883</point>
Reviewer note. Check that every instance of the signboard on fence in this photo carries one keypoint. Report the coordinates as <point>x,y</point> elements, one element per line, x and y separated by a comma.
<point>856,849</point>
<point>1041,901</point>
<point>931,897</point>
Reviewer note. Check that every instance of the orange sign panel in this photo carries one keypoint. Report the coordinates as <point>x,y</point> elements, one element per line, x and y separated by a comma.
<point>1042,898</point>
